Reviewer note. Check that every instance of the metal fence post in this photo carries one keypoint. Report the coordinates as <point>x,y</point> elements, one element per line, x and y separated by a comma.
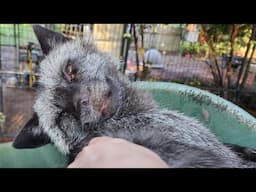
<point>1,84</point>
<point>125,45</point>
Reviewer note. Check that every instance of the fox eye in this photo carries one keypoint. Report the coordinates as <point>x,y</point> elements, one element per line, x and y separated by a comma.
<point>108,93</point>
<point>70,72</point>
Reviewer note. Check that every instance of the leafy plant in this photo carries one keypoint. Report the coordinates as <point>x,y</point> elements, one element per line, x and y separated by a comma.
<point>2,118</point>
<point>196,48</point>
<point>228,39</point>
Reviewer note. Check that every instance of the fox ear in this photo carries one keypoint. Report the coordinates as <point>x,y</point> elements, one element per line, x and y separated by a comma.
<point>31,135</point>
<point>47,37</point>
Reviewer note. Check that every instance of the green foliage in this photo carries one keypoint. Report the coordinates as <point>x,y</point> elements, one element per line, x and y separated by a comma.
<point>219,35</point>
<point>1,119</point>
<point>196,82</point>
<point>196,48</point>
<point>218,32</point>
<point>188,48</point>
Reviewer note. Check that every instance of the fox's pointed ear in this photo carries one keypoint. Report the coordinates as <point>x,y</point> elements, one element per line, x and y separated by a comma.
<point>48,37</point>
<point>31,135</point>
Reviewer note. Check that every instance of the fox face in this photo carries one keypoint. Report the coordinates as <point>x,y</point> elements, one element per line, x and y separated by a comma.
<point>79,87</point>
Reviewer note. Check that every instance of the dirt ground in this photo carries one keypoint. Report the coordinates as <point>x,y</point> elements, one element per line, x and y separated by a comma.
<point>17,107</point>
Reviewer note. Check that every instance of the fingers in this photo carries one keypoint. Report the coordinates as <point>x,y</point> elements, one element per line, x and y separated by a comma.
<point>90,153</point>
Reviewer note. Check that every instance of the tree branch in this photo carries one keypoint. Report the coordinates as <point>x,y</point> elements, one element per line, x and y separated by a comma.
<point>213,54</point>
<point>233,35</point>
<point>243,65</point>
<point>247,68</point>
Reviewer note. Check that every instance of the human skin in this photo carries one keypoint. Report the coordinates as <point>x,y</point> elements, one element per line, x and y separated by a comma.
<point>107,152</point>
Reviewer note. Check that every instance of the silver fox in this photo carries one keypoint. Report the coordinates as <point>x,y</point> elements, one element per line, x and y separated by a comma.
<point>82,95</point>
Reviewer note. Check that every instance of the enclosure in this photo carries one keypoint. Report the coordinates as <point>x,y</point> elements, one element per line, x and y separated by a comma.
<point>145,52</point>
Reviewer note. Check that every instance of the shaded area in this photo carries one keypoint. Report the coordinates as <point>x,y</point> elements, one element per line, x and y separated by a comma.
<point>17,105</point>
<point>42,157</point>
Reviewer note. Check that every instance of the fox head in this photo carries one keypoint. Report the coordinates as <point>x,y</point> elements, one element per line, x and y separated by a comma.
<point>79,87</point>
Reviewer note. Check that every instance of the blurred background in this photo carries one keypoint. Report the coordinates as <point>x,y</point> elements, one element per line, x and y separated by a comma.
<point>219,58</point>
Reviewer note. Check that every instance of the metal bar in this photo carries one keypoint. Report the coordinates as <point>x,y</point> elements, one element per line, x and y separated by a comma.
<point>15,72</point>
<point>122,54</point>
<point>1,85</point>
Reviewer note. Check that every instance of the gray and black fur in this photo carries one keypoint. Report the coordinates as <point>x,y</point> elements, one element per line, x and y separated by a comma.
<point>82,95</point>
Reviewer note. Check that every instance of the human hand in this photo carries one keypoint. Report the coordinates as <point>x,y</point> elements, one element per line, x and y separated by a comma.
<point>107,152</point>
